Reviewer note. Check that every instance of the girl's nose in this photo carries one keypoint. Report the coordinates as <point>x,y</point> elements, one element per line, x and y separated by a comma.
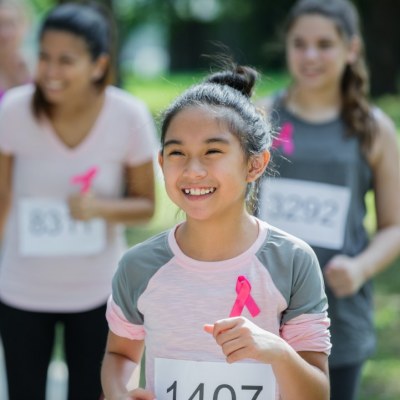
<point>50,69</point>
<point>311,52</point>
<point>194,168</point>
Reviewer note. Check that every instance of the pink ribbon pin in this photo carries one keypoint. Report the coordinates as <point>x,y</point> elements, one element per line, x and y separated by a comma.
<point>244,298</point>
<point>85,180</point>
<point>285,139</point>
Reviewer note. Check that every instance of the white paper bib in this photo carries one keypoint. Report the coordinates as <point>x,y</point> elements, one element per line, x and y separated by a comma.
<point>315,212</point>
<point>46,229</point>
<point>200,380</point>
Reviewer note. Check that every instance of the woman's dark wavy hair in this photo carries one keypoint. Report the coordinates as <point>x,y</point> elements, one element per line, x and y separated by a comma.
<point>90,22</point>
<point>227,94</point>
<point>356,110</point>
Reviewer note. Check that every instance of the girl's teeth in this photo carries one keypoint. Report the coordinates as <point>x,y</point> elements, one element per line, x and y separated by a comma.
<point>198,192</point>
<point>54,85</point>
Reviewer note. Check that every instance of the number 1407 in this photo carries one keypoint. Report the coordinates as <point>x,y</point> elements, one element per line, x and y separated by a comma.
<point>221,392</point>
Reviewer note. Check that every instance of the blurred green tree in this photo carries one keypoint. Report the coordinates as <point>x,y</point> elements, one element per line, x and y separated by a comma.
<point>380,22</point>
<point>251,32</point>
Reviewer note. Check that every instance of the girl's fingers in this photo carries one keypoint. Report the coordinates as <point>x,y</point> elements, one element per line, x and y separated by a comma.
<point>226,324</point>
<point>209,328</point>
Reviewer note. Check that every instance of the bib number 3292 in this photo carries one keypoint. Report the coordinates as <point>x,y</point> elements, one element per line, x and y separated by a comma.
<point>315,212</point>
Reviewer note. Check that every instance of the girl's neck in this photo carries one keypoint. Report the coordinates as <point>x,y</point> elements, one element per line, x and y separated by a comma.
<point>72,123</point>
<point>314,105</point>
<point>78,107</point>
<point>205,241</point>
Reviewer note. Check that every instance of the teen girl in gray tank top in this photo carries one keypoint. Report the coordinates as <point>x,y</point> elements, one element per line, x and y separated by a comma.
<point>318,195</point>
<point>332,147</point>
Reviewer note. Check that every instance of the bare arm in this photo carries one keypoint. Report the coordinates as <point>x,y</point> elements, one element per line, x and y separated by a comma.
<point>137,207</point>
<point>345,275</point>
<point>385,246</point>
<point>121,358</point>
<point>6,167</point>
<point>300,376</point>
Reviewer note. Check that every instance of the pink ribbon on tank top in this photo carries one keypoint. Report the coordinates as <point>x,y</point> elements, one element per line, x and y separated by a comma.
<point>244,298</point>
<point>285,139</point>
<point>85,179</point>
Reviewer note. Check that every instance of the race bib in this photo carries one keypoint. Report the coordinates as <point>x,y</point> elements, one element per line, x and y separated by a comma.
<point>315,212</point>
<point>200,380</point>
<point>46,229</point>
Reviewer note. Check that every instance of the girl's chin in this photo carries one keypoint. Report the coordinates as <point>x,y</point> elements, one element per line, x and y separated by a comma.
<point>51,97</point>
<point>311,78</point>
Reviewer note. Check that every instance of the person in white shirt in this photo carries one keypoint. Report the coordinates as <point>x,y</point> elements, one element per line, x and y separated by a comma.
<point>223,302</point>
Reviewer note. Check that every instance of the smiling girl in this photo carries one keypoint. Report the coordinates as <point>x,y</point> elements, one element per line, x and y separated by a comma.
<point>334,147</point>
<point>223,302</point>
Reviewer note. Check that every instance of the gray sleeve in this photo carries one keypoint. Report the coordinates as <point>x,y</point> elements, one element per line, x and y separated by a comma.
<point>296,273</point>
<point>307,294</point>
<point>136,268</point>
<point>126,291</point>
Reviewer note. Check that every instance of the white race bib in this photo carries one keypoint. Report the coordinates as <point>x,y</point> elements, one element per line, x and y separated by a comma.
<point>315,212</point>
<point>200,380</point>
<point>46,229</point>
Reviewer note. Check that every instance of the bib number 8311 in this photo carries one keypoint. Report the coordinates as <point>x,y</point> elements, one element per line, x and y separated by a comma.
<point>46,229</point>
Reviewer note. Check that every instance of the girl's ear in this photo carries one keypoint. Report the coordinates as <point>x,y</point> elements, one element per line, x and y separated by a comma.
<point>100,66</point>
<point>257,165</point>
<point>354,49</point>
<point>160,159</point>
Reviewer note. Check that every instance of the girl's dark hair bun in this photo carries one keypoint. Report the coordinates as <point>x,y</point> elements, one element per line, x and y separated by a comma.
<point>241,78</point>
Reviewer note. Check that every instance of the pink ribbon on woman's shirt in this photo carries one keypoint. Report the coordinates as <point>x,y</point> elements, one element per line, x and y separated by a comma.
<point>285,139</point>
<point>244,298</point>
<point>85,179</point>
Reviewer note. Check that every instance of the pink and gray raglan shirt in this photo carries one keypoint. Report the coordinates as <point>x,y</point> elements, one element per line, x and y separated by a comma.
<point>162,296</point>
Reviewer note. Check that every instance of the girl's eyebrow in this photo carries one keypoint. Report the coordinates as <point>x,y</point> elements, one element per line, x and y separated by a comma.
<point>208,141</point>
<point>171,142</point>
<point>217,140</point>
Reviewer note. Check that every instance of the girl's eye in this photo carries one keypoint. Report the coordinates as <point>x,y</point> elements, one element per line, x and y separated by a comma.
<point>298,44</point>
<point>325,45</point>
<point>43,57</point>
<point>214,151</point>
<point>175,153</point>
<point>66,60</point>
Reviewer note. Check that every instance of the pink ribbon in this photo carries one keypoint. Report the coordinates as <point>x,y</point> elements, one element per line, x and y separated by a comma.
<point>85,180</point>
<point>285,139</point>
<point>244,298</point>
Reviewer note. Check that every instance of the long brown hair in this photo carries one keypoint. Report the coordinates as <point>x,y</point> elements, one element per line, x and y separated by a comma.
<point>356,110</point>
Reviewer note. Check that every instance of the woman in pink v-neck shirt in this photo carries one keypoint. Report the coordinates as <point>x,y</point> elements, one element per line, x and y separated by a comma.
<point>76,161</point>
